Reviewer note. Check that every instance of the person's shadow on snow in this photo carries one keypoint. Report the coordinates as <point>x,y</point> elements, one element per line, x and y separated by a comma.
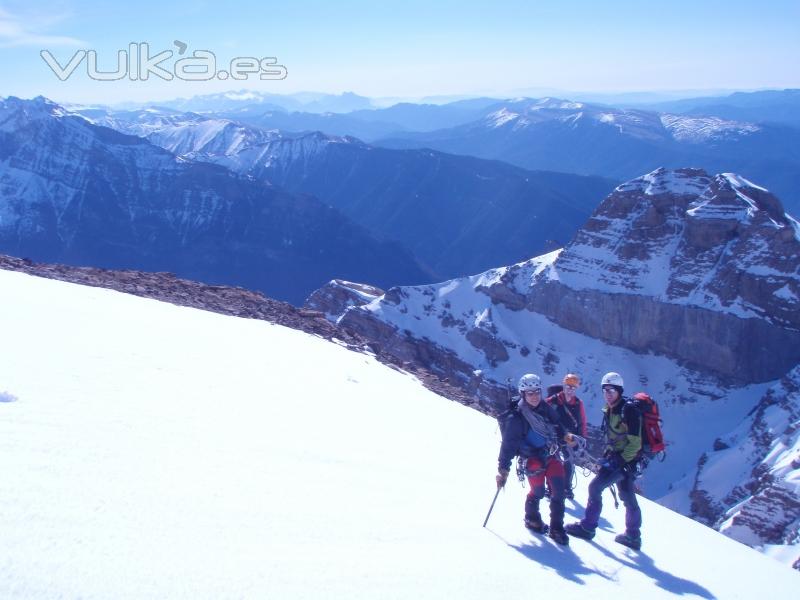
<point>666,581</point>
<point>560,559</point>
<point>564,561</point>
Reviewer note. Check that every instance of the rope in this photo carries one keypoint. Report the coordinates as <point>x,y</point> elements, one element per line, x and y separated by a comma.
<point>537,423</point>
<point>579,456</point>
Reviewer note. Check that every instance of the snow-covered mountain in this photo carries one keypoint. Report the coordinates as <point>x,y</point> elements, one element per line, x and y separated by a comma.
<point>577,137</point>
<point>721,246</point>
<point>183,133</point>
<point>313,102</point>
<point>74,192</point>
<point>242,148</point>
<point>687,284</point>
<point>336,124</point>
<point>457,214</point>
<point>235,458</point>
<point>645,125</point>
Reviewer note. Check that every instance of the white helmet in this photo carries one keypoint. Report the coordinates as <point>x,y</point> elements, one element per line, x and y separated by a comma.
<point>612,379</point>
<point>529,382</point>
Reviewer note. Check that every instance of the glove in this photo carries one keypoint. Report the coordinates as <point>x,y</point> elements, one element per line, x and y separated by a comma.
<point>613,462</point>
<point>502,476</point>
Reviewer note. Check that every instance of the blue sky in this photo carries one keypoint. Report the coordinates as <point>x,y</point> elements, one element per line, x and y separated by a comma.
<point>413,48</point>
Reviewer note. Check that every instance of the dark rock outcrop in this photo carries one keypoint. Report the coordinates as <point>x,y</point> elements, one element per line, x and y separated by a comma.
<point>337,295</point>
<point>764,507</point>
<point>702,269</point>
<point>735,349</point>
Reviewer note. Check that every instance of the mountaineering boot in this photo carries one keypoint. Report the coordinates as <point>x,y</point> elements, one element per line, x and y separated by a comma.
<point>533,518</point>
<point>629,541</point>
<point>559,536</point>
<point>577,530</point>
<point>535,523</point>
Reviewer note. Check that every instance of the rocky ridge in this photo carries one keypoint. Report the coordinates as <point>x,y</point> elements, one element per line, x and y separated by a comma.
<point>714,258</point>
<point>748,485</point>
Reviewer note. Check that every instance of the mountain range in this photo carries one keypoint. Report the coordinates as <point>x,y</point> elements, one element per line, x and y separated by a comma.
<point>366,124</point>
<point>77,193</point>
<point>575,137</point>
<point>312,102</point>
<point>457,214</point>
<point>755,134</point>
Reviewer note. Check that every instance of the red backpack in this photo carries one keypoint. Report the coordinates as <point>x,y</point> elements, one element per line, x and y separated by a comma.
<point>652,438</point>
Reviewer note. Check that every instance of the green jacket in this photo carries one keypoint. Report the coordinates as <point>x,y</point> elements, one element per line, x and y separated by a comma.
<point>622,426</point>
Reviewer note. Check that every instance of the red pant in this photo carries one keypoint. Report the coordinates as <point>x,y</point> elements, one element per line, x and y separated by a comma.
<point>553,470</point>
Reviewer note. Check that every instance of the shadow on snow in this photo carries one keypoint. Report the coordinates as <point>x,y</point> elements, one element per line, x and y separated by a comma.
<point>569,565</point>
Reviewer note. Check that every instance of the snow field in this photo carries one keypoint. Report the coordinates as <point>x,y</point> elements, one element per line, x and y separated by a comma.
<point>154,451</point>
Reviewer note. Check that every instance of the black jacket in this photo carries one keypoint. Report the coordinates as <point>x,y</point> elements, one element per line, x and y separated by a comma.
<point>519,438</point>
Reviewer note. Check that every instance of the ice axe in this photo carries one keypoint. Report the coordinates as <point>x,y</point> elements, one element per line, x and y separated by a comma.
<point>497,493</point>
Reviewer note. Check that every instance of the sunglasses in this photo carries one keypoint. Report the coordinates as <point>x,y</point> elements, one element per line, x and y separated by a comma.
<point>571,387</point>
<point>608,389</point>
<point>535,392</point>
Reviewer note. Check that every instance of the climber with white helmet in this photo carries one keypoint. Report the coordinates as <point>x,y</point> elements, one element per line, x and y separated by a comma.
<point>622,426</point>
<point>531,430</point>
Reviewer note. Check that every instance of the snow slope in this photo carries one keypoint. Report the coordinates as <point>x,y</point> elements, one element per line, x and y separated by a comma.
<point>153,451</point>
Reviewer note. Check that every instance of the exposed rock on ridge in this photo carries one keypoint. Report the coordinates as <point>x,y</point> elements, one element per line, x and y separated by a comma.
<point>705,270</point>
<point>749,486</point>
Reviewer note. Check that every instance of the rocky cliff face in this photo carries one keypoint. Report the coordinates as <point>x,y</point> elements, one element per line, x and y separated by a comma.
<point>702,269</point>
<point>748,485</point>
<point>338,295</point>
